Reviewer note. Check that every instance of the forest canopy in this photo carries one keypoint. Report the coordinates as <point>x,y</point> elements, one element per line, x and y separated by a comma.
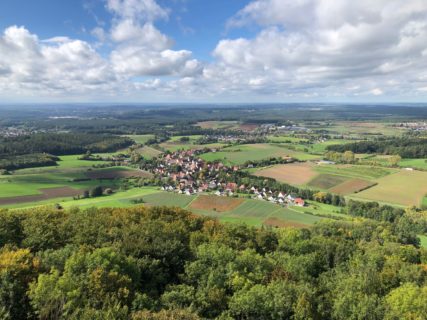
<point>165,263</point>
<point>405,147</point>
<point>62,143</point>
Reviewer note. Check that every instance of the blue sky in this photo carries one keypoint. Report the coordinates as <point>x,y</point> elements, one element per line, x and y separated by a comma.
<point>207,51</point>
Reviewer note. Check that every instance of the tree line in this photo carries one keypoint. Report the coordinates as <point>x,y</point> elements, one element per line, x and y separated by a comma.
<point>406,147</point>
<point>62,143</point>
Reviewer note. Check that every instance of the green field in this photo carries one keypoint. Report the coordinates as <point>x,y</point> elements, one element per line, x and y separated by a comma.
<point>423,240</point>
<point>237,155</point>
<point>168,199</point>
<point>174,143</point>
<point>362,128</point>
<point>256,212</point>
<point>326,181</point>
<point>141,138</point>
<point>420,164</point>
<point>355,171</point>
<point>149,152</point>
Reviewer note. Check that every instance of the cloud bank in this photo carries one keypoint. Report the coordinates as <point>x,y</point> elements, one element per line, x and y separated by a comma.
<point>303,49</point>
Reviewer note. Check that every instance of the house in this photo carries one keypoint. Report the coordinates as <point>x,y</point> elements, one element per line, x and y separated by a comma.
<point>299,202</point>
<point>231,186</point>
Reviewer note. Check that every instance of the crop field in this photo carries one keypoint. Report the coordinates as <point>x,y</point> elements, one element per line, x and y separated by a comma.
<point>48,193</point>
<point>351,186</point>
<point>294,173</point>
<point>326,181</point>
<point>149,152</point>
<point>116,173</point>
<point>257,213</point>
<point>237,155</point>
<point>218,204</point>
<point>356,171</point>
<point>342,179</point>
<point>363,128</point>
<point>168,199</point>
<point>227,125</point>
<point>405,188</point>
<point>40,184</point>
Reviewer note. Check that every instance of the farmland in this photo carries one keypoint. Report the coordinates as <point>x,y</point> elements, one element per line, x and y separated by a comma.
<point>297,174</point>
<point>404,188</point>
<point>141,139</point>
<point>341,179</point>
<point>237,155</point>
<point>70,178</point>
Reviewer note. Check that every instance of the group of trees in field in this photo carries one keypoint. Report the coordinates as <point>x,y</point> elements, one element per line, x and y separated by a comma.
<point>159,263</point>
<point>406,147</point>
<point>62,143</point>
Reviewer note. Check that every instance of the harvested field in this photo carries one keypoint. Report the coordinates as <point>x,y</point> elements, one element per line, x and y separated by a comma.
<point>48,193</point>
<point>327,181</point>
<point>248,126</point>
<point>294,173</point>
<point>117,173</point>
<point>278,223</point>
<point>405,188</point>
<point>352,186</point>
<point>214,203</point>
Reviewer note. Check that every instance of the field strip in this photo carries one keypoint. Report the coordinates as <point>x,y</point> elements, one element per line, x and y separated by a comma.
<point>189,204</point>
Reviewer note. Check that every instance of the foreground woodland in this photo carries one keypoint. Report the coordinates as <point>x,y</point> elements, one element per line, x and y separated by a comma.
<point>165,263</point>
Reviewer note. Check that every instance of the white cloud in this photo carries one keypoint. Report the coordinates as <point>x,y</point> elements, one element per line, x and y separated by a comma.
<point>142,50</point>
<point>54,66</point>
<point>303,49</point>
<point>147,10</point>
<point>304,45</point>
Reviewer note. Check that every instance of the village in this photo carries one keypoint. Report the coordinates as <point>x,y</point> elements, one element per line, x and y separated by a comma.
<point>188,174</point>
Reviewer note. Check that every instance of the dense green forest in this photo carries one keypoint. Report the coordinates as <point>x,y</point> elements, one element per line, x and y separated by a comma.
<point>61,143</point>
<point>27,161</point>
<point>405,147</point>
<point>162,263</point>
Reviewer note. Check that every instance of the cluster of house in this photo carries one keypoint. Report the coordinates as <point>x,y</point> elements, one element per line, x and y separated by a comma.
<point>270,127</point>
<point>415,126</point>
<point>188,174</point>
<point>9,132</point>
<point>275,197</point>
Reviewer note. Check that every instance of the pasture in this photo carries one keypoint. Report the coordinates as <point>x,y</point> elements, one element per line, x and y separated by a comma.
<point>420,164</point>
<point>404,188</point>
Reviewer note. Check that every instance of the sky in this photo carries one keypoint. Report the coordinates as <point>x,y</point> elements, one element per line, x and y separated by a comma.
<point>213,51</point>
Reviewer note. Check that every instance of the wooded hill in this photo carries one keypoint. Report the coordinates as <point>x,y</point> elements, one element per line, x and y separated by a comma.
<point>162,263</point>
